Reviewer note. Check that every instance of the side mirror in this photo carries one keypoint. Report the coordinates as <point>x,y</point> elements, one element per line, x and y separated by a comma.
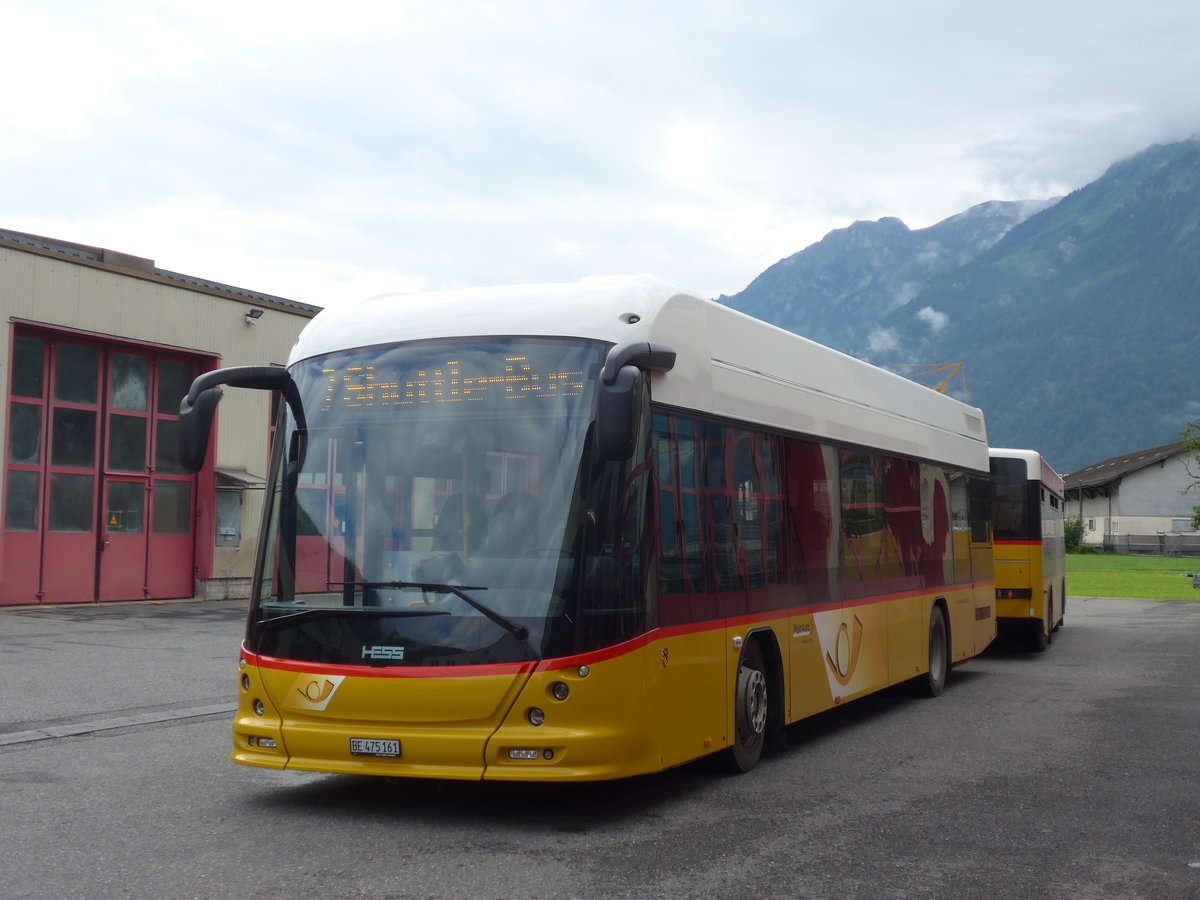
<point>618,416</point>
<point>199,407</point>
<point>622,395</point>
<point>195,423</point>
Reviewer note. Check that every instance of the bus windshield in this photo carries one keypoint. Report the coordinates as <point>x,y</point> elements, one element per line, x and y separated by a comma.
<point>1014,501</point>
<point>426,511</point>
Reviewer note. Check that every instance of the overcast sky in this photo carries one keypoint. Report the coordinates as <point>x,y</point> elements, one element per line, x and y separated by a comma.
<point>327,151</point>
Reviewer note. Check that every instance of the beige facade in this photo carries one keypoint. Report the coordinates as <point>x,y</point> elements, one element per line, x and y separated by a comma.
<point>1142,501</point>
<point>54,294</point>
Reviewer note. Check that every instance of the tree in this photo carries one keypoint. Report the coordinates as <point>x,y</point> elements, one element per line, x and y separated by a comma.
<point>1073,533</point>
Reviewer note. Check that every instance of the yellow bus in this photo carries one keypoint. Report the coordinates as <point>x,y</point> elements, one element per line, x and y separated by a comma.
<point>589,531</point>
<point>1027,517</point>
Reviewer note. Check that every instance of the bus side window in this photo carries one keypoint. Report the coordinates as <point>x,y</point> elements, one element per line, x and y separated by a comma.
<point>810,520</point>
<point>748,505</point>
<point>690,492</point>
<point>670,561</point>
<point>979,515</point>
<point>903,511</point>
<point>722,520</point>
<point>683,526</point>
<point>766,455</point>
<point>961,526</point>
<point>863,524</point>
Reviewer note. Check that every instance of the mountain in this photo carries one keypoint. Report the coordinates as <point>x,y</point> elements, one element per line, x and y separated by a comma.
<point>838,289</point>
<point>1080,327</point>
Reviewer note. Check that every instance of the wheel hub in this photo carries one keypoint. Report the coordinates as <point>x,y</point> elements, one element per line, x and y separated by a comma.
<point>754,700</point>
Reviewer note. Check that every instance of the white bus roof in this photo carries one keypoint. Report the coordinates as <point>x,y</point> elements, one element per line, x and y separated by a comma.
<point>728,364</point>
<point>1036,467</point>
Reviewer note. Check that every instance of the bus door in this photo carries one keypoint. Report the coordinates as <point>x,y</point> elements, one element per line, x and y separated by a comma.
<point>856,656</point>
<point>813,521</point>
<point>698,582</point>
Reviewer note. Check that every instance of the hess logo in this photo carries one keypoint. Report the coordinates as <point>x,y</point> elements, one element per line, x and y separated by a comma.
<point>381,651</point>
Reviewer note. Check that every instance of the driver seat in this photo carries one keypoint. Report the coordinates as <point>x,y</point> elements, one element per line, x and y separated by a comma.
<point>513,527</point>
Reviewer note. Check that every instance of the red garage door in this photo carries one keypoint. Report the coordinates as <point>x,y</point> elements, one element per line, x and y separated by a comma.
<point>96,505</point>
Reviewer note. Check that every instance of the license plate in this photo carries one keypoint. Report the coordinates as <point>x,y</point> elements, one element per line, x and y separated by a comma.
<point>374,747</point>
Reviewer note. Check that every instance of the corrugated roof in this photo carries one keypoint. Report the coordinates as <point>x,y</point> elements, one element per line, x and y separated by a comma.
<point>1119,466</point>
<point>140,267</point>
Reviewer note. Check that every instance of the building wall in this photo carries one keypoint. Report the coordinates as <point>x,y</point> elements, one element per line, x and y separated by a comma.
<point>1159,491</point>
<point>118,303</point>
<point>1095,513</point>
<point>1152,500</point>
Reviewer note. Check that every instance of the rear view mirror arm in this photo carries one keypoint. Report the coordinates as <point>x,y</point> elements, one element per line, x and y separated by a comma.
<point>199,406</point>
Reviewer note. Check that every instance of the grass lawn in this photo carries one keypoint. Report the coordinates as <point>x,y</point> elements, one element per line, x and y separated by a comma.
<point>1140,577</point>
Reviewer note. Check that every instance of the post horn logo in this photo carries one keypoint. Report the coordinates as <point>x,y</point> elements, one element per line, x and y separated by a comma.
<point>843,670</point>
<point>316,691</point>
<point>313,692</point>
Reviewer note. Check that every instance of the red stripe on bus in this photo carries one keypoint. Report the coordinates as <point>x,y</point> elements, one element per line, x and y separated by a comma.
<point>580,659</point>
<point>592,657</point>
<point>481,671</point>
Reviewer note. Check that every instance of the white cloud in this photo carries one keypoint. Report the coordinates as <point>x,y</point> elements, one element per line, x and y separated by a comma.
<point>934,319</point>
<point>904,294</point>
<point>882,340</point>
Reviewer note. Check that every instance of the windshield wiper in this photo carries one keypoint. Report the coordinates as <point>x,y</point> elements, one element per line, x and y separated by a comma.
<point>520,632</point>
<point>324,612</point>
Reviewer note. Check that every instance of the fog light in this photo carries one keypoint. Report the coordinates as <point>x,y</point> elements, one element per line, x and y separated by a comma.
<point>560,690</point>
<point>245,682</point>
<point>522,754</point>
<point>584,671</point>
<point>536,717</point>
<point>259,709</point>
<point>547,755</point>
<point>267,743</point>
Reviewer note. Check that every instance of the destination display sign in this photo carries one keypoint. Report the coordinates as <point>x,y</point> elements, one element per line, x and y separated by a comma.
<point>457,380</point>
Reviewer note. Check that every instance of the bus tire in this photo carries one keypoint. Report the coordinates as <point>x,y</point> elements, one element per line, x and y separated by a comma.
<point>933,682</point>
<point>1039,638</point>
<point>751,705</point>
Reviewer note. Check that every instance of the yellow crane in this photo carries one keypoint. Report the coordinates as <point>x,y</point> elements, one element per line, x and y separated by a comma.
<point>927,370</point>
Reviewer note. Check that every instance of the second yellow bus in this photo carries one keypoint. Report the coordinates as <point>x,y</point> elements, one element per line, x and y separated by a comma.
<point>1027,514</point>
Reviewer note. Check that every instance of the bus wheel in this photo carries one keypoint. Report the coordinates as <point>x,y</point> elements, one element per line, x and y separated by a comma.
<point>750,716</point>
<point>933,682</point>
<point>1039,638</point>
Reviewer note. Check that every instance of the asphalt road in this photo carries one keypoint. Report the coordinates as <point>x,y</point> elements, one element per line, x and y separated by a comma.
<point>1067,774</point>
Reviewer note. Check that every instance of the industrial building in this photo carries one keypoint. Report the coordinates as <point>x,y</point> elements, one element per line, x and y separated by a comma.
<point>99,349</point>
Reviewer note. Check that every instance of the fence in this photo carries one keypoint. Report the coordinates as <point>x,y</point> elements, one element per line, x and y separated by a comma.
<point>1162,544</point>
